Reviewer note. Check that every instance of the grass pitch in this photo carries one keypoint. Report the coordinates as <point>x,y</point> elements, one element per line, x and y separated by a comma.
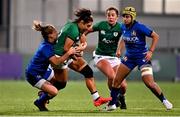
<point>17,97</point>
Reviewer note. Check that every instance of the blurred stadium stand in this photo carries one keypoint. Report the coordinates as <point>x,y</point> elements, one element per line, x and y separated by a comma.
<point>16,17</point>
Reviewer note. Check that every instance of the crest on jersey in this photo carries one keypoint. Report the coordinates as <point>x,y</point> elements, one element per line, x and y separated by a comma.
<point>77,38</point>
<point>133,33</point>
<point>103,32</point>
<point>115,34</point>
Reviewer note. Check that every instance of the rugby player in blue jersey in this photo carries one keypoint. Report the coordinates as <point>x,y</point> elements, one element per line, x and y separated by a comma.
<point>38,73</point>
<point>137,54</point>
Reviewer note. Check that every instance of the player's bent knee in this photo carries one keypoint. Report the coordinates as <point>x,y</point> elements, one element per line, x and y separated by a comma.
<point>123,85</point>
<point>60,85</point>
<point>54,92</point>
<point>110,78</point>
<point>87,72</point>
<point>146,71</point>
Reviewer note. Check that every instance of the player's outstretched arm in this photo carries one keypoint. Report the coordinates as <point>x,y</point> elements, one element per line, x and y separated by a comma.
<point>58,60</point>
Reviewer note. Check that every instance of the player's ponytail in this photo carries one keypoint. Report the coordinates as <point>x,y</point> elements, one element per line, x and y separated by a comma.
<point>37,25</point>
<point>45,29</point>
<point>83,14</point>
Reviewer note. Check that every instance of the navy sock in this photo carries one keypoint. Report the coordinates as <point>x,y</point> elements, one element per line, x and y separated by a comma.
<point>160,97</point>
<point>114,94</point>
<point>44,97</point>
<point>120,93</point>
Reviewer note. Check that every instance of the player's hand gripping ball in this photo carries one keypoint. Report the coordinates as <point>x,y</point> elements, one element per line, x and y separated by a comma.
<point>79,51</point>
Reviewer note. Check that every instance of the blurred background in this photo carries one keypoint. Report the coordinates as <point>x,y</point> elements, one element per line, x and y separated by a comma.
<point>18,41</point>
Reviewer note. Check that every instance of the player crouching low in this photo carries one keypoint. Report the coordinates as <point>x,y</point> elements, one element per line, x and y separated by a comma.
<point>37,72</point>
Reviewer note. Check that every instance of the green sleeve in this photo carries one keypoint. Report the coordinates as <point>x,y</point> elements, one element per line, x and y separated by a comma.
<point>96,27</point>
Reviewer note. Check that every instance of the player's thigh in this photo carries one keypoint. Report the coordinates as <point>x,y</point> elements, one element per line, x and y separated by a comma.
<point>148,80</point>
<point>124,82</point>
<point>78,65</point>
<point>121,74</point>
<point>122,71</point>
<point>147,74</point>
<point>105,67</point>
<point>61,75</point>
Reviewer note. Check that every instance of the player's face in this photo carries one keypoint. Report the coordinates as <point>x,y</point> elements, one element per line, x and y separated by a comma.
<point>53,36</point>
<point>112,17</point>
<point>127,19</point>
<point>84,26</point>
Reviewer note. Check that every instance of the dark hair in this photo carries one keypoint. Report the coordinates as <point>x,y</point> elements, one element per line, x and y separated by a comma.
<point>45,29</point>
<point>113,8</point>
<point>83,14</point>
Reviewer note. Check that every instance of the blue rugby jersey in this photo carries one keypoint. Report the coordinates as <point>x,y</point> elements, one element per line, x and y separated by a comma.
<point>40,61</point>
<point>135,39</point>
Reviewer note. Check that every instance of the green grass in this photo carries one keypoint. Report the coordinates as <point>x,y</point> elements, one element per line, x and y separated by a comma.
<point>16,98</point>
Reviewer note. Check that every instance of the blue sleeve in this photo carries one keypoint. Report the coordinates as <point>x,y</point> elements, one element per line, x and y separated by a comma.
<point>48,51</point>
<point>145,30</point>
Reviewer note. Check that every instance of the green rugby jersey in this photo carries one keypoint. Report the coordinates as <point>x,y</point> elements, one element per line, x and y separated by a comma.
<point>108,38</point>
<point>69,30</point>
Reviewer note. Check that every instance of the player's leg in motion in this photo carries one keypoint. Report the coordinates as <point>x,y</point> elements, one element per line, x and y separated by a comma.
<point>49,91</point>
<point>121,96</point>
<point>108,67</point>
<point>121,74</point>
<point>59,82</point>
<point>147,77</point>
<point>42,83</point>
<point>82,67</point>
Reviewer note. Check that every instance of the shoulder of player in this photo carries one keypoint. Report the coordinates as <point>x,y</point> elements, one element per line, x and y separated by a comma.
<point>138,24</point>
<point>70,27</point>
<point>102,23</point>
<point>45,45</point>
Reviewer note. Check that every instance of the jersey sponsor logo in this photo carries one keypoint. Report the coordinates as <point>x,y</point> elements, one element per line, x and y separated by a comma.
<point>115,34</point>
<point>103,32</point>
<point>108,41</point>
<point>131,39</point>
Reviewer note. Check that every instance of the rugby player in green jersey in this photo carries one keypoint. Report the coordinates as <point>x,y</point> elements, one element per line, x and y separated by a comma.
<point>70,35</point>
<point>107,52</point>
